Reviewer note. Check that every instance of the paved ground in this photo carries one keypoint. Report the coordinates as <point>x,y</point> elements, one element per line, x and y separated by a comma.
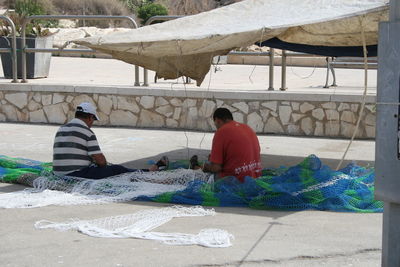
<point>262,238</point>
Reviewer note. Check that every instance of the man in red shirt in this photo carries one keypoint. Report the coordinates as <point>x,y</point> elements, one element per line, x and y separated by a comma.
<point>235,148</point>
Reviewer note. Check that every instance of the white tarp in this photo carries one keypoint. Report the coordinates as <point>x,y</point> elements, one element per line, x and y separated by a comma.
<point>186,46</point>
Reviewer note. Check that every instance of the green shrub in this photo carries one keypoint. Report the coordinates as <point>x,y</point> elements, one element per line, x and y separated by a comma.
<point>150,10</point>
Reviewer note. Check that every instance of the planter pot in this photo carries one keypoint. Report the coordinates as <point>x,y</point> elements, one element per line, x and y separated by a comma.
<point>37,64</point>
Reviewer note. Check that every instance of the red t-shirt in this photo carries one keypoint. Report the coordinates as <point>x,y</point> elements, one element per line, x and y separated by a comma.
<point>235,146</point>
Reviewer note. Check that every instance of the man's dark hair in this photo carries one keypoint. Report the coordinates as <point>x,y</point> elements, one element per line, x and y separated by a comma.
<point>82,115</point>
<point>222,114</point>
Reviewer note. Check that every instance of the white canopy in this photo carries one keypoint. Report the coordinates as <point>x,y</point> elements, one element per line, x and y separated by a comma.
<point>186,46</point>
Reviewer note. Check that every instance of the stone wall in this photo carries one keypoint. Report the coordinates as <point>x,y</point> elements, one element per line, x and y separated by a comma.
<point>265,113</point>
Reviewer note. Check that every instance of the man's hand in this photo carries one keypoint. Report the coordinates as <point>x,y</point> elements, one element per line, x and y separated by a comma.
<point>99,159</point>
<point>212,167</point>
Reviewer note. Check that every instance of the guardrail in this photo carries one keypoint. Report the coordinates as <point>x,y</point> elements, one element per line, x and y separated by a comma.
<point>13,47</point>
<point>61,50</point>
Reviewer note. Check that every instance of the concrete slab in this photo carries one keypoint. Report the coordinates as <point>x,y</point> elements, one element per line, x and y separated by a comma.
<point>262,238</point>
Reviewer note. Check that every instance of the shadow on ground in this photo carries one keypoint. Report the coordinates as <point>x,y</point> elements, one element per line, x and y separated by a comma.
<point>267,160</point>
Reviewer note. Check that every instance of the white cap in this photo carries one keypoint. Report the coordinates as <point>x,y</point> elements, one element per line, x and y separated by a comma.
<point>87,107</point>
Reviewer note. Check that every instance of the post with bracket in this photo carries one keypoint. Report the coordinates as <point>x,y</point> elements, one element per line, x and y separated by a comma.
<point>387,153</point>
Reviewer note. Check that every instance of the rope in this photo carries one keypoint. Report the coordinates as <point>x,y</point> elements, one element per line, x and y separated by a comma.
<point>364,94</point>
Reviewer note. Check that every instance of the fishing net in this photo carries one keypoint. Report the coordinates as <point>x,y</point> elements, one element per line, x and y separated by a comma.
<point>139,224</point>
<point>308,185</point>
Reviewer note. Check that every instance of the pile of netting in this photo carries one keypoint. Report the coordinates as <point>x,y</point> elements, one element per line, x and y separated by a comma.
<point>308,185</point>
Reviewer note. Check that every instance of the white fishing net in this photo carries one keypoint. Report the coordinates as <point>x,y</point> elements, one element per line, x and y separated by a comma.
<point>79,191</point>
<point>138,224</point>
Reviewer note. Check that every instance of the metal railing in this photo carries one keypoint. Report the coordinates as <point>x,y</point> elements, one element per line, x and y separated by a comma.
<point>13,48</point>
<point>62,50</point>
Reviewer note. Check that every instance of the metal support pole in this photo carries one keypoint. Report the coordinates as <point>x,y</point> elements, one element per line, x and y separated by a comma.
<point>13,48</point>
<point>387,183</point>
<point>145,78</point>
<point>271,69</point>
<point>58,17</point>
<point>283,71</point>
<point>137,80</point>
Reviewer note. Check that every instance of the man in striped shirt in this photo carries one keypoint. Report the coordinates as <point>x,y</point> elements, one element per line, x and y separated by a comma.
<point>76,151</point>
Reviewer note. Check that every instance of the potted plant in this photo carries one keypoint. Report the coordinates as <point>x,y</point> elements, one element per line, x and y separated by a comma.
<point>38,64</point>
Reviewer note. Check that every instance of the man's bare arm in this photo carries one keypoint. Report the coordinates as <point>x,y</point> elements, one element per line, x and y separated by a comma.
<point>212,167</point>
<point>100,159</point>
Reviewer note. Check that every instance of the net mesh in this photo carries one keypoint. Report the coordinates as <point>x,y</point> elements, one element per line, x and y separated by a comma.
<point>308,185</point>
<point>139,225</point>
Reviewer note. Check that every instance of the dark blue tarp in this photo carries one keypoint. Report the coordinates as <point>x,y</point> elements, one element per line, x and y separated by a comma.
<point>329,51</point>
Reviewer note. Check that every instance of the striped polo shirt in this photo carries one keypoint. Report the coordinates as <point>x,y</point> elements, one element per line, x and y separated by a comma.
<point>73,146</point>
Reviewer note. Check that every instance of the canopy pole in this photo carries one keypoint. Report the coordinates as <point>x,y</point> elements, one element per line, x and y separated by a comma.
<point>271,69</point>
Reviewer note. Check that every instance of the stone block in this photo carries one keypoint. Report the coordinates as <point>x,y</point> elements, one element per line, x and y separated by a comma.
<point>274,114</point>
<point>370,131</point>
<point>318,113</point>
<point>295,106</point>
<point>343,106</point>
<point>273,126</point>
<point>354,107</point>
<point>82,98</point>
<point>58,98</point>
<point>123,118</point>
<point>329,105</point>
<point>103,119</point>
<point>167,111</point>
<point>307,126</point>
<point>177,113</point>
<point>68,100</point>
<point>371,108</point>
<point>19,100</point>
<point>150,119</point>
<point>237,116</point>
<point>254,105</point>
<point>255,122</point>
<point>348,116</point>
<point>319,129</point>
<point>32,106</point>
<point>242,106</point>
<point>2,117</point>
<point>147,101</point>
<point>284,114</point>
<point>171,123</point>
<point>347,129</point>
<point>176,102</point>
<point>219,103</point>
<point>55,113</point>
<point>37,97</point>
<point>332,115</point>
<point>305,107</point>
<point>370,119</point>
<point>332,128</point>
<point>188,103</point>
<point>293,129</point>
<point>272,105</point>
<point>128,103</point>
<point>10,112</point>
<point>105,105</point>
<point>296,117</point>
<point>264,114</point>
<point>37,116</point>
<point>160,101</point>
<point>46,100</point>
<point>207,109</point>
<point>231,109</point>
